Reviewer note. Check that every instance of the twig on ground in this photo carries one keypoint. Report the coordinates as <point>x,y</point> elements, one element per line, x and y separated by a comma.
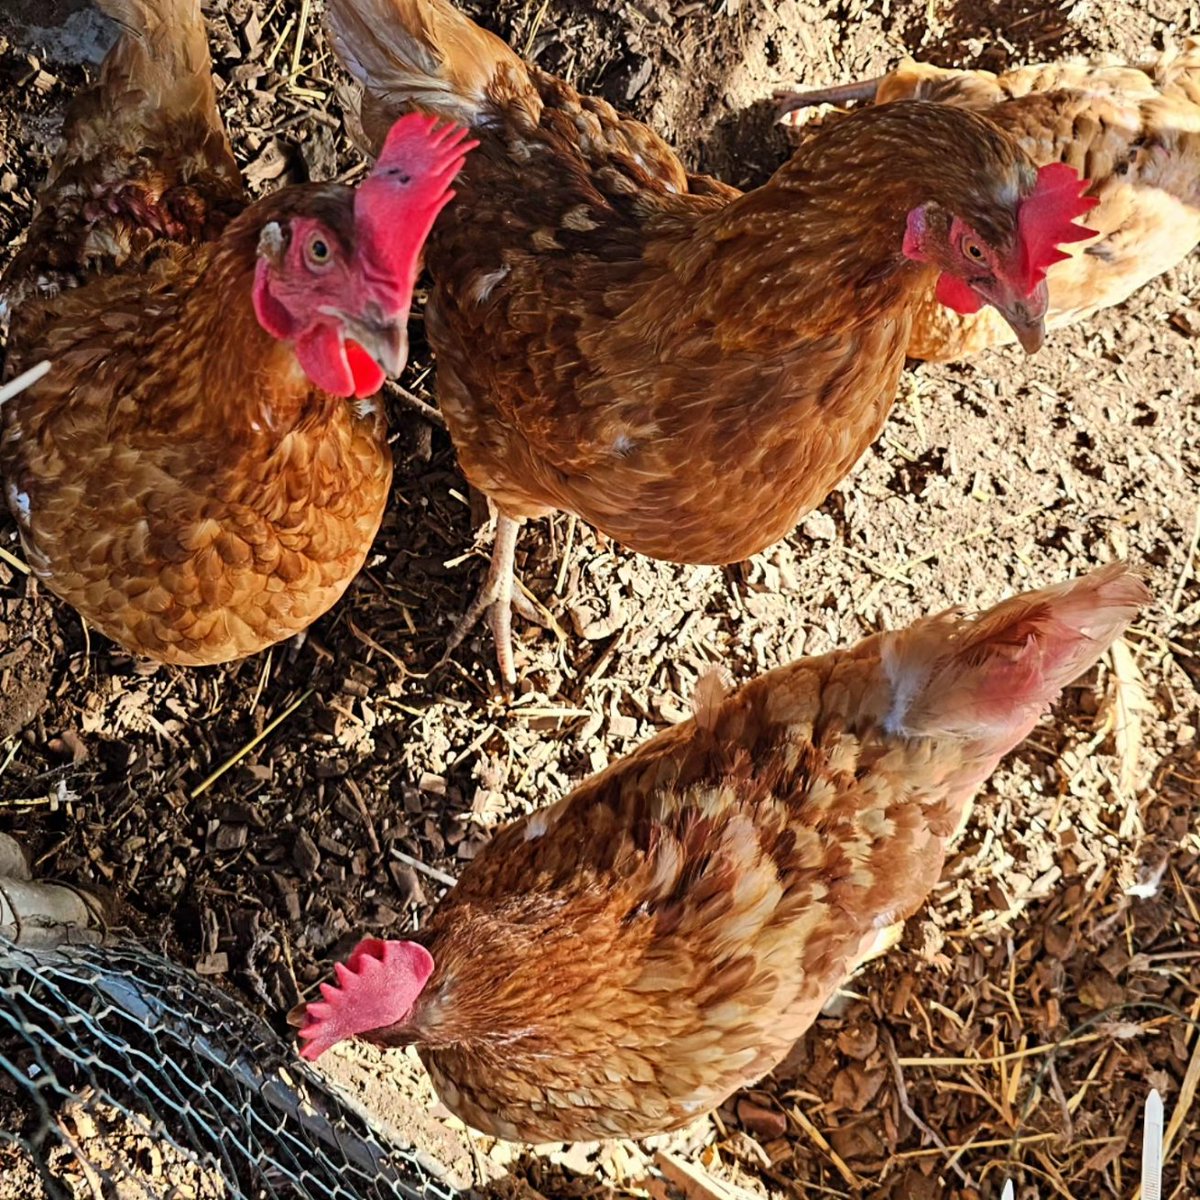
<point>427,411</point>
<point>911,1113</point>
<point>424,868</point>
<point>819,1140</point>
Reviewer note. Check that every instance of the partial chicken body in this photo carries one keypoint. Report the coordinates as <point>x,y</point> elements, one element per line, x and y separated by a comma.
<point>200,473</point>
<point>687,368</point>
<point>621,962</point>
<point>1134,132</point>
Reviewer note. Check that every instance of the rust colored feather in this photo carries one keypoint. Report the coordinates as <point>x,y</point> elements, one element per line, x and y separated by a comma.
<point>175,477</point>
<point>1133,131</point>
<point>620,962</point>
<point>687,368</point>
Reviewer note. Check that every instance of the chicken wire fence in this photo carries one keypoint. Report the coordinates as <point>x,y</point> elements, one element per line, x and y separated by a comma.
<point>123,1076</point>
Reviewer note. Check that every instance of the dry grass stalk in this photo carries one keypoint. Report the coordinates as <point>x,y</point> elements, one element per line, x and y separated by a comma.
<point>234,759</point>
<point>819,1140</point>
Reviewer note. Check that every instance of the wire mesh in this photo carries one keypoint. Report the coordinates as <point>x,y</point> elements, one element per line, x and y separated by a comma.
<point>124,1075</point>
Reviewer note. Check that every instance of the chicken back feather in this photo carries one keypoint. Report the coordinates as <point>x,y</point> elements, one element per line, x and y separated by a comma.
<point>620,962</point>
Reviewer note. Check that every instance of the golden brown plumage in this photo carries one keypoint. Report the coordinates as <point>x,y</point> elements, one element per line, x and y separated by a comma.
<point>1133,131</point>
<point>687,368</point>
<point>619,963</point>
<point>179,476</point>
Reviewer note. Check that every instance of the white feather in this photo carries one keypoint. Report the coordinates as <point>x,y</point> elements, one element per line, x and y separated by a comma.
<point>19,502</point>
<point>484,284</point>
<point>908,679</point>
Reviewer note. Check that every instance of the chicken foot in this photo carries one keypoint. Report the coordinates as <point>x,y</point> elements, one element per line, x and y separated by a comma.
<point>844,93</point>
<point>497,598</point>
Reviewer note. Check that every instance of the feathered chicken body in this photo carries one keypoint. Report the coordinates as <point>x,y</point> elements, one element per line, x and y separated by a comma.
<point>687,368</point>
<point>200,473</point>
<point>619,963</point>
<point>1133,131</point>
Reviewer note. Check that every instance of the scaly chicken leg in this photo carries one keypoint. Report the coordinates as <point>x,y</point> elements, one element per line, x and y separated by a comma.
<point>842,93</point>
<point>497,598</point>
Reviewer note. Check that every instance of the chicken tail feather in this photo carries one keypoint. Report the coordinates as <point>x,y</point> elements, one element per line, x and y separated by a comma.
<point>144,156</point>
<point>428,55</point>
<point>989,677</point>
<point>161,57</point>
<point>155,91</point>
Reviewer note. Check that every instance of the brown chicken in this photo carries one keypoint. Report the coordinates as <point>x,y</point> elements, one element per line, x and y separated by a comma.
<point>1134,132</point>
<point>199,474</point>
<point>687,368</point>
<point>621,962</point>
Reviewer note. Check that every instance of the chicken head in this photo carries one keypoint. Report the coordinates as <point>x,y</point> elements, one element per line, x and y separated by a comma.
<point>339,289</point>
<point>1011,278</point>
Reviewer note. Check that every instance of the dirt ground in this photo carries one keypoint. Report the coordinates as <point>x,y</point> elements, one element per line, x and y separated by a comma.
<point>1016,1030</point>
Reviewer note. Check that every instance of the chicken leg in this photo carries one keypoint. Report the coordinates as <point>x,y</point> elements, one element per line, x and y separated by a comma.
<point>497,598</point>
<point>845,93</point>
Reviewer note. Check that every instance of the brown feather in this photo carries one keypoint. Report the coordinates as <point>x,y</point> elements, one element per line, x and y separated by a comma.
<point>686,368</point>
<point>175,477</point>
<point>620,962</point>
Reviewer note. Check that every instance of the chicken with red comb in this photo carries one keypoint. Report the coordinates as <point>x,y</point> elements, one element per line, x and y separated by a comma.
<point>1133,129</point>
<point>201,472</point>
<point>687,368</point>
<point>619,963</point>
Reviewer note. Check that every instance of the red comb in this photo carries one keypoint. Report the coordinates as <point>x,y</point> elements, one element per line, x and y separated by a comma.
<point>376,987</point>
<point>396,205</point>
<point>1046,220</point>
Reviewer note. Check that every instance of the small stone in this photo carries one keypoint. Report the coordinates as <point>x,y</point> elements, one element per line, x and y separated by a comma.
<point>819,526</point>
<point>760,1121</point>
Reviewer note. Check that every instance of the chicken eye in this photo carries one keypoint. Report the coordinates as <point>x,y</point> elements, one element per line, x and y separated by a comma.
<point>318,252</point>
<point>973,249</point>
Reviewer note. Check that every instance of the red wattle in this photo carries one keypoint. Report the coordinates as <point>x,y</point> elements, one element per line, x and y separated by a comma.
<point>322,354</point>
<point>368,374</point>
<point>954,293</point>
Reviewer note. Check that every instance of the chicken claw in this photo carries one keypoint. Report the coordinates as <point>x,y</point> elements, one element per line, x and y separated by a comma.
<point>846,93</point>
<point>497,598</point>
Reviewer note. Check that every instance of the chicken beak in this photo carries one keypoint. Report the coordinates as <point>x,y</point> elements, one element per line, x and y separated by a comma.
<point>1030,333</point>
<point>1026,317</point>
<point>384,339</point>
